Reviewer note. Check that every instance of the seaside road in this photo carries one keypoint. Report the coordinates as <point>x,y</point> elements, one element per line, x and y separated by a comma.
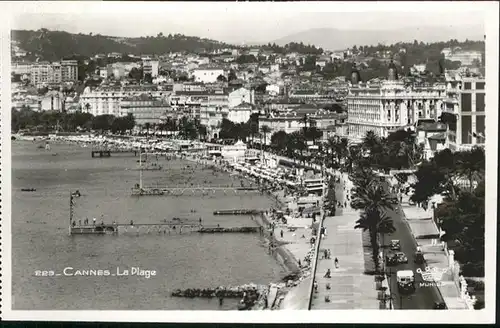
<point>350,288</point>
<point>424,297</point>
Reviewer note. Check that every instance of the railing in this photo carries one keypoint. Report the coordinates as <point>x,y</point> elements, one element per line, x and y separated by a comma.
<point>315,263</point>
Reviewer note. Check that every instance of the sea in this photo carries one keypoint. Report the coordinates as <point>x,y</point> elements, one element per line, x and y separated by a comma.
<point>41,240</point>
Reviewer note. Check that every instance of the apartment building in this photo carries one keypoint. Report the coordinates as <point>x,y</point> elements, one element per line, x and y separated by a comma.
<point>207,75</point>
<point>151,67</point>
<point>107,100</point>
<point>145,108</point>
<point>45,73</point>
<point>466,100</point>
<point>69,70</point>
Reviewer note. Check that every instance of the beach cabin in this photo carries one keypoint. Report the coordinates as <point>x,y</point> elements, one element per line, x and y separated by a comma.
<point>234,152</point>
<point>315,185</point>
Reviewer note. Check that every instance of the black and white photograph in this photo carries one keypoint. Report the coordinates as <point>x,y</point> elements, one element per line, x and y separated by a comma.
<point>252,162</point>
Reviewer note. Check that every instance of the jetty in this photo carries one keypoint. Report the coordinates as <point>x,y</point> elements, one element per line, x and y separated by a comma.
<point>193,190</point>
<point>238,212</point>
<point>159,228</point>
<point>251,290</point>
<point>107,152</point>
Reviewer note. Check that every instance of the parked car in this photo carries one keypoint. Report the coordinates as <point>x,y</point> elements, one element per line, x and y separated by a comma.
<point>391,259</point>
<point>395,245</point>
<point>401,257</point>
<point>439,306</point>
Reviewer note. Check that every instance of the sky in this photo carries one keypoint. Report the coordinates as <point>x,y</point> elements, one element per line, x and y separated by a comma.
<point>240,22</point>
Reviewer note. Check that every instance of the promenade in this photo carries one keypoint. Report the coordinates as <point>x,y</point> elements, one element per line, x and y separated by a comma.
<point>349,287</point>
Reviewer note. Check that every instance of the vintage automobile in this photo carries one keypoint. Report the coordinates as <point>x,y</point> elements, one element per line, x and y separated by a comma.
<point>406,281</point>
<point>391,259</point>
<point>395,245</point>
<point>439,306</point>
<point>401,257</point>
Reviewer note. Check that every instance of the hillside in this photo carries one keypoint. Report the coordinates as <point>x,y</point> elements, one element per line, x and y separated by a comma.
<point>54,45</point>
<point>336,39</point>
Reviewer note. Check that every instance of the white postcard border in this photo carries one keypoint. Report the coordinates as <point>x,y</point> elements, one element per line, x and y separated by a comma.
<point>486,315</point>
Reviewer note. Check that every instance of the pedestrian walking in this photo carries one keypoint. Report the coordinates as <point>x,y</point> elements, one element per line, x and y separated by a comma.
<point>336,263</point>
<point>329,254</point>
<point>281,233</point>
<point>325,254</point>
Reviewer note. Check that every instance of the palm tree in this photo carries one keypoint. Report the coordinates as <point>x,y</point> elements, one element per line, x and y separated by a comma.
<point>370,196</point>
<point>331,147</point>
<point>305,119</point>
<point>265,130</point>
<point>374,201</point>
<point>375,223</point>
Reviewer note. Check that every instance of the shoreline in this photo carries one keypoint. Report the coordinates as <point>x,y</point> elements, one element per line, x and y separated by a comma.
<point>284,256</point>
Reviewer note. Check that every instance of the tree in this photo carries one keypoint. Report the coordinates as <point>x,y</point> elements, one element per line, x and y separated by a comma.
<point>374,201</point>
<point>135,73</point>
<point>231,76</point>
<point>265,130</point>
<point>102,122</point>
<point>463,221</point>
<point>375,223</point>
<point>148,78</point>
<point>253,123</point>
<point>279,140</point>
<point>313,133</point>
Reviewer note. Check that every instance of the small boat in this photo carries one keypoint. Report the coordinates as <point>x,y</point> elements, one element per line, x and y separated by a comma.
<point>28,189</point>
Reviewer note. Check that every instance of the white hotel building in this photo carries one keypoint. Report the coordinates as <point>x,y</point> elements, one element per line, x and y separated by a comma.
<point>389,105</point>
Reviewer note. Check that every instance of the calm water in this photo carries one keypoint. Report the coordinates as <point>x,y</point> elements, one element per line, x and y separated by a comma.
<point>40,239</point>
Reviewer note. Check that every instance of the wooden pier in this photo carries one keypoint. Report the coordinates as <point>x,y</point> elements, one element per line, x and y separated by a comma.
<point>107,152</point>
<point>194,190</point>
<point>158,228</point>
<point>238,212</point>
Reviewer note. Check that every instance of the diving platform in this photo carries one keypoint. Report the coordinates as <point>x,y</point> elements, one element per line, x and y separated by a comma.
<point>158,228</point>
<point>193,190</point>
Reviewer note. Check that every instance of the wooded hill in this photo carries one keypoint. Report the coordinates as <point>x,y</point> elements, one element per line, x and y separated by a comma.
<point>54,45</point>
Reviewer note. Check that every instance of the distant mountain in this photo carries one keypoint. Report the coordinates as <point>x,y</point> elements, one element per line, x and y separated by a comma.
<point>336,39</point>
<point>54,45</point>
